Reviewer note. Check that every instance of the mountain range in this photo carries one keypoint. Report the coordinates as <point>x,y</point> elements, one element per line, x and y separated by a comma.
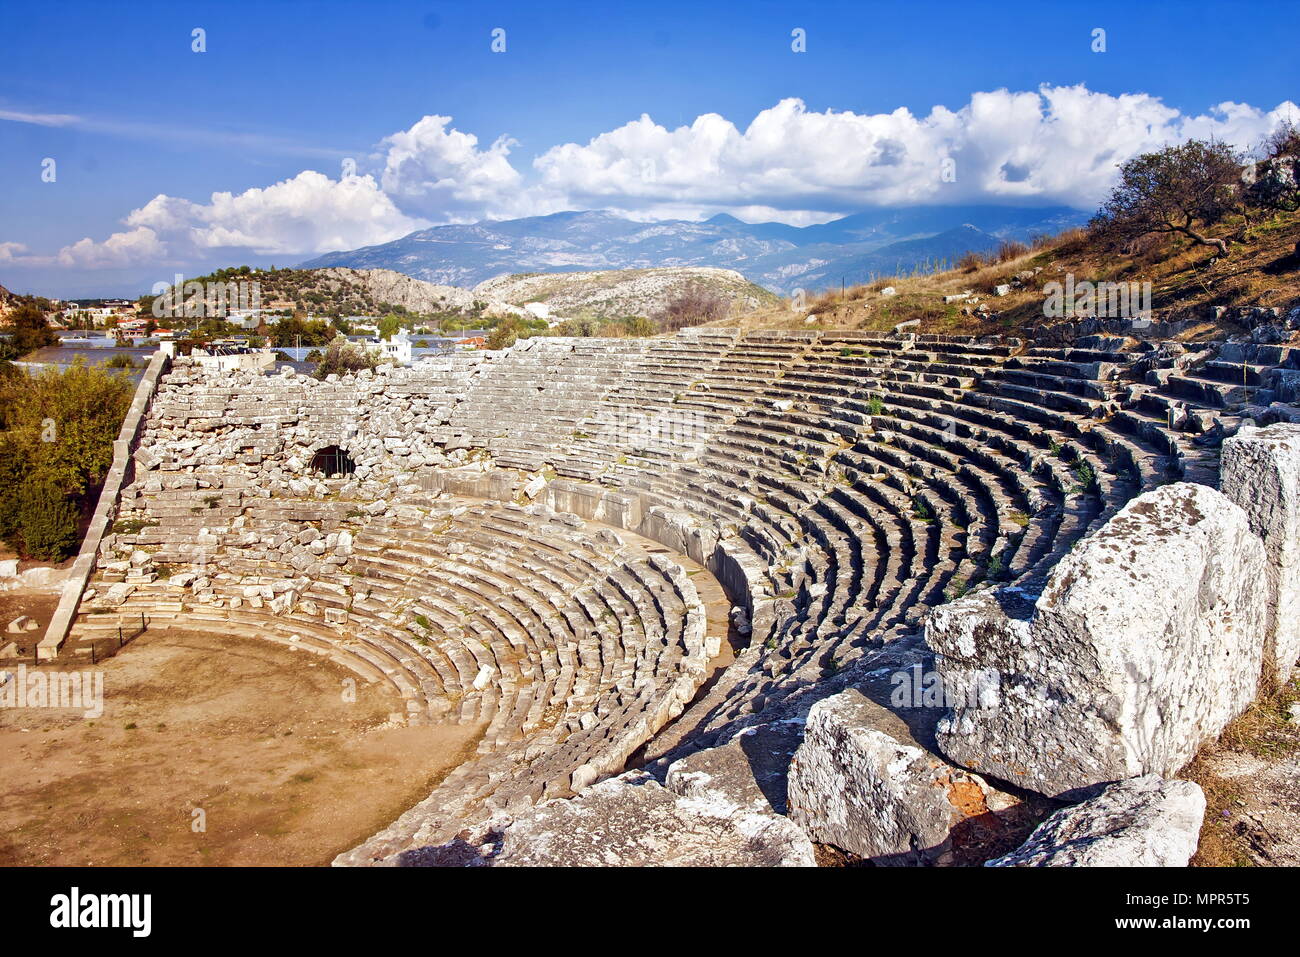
<point>855,248</point>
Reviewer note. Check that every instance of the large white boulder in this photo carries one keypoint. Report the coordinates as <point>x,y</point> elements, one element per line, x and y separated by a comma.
<point>1142,822</point>
<point>1261,473</point>
<point>862,782</point>
<point>630,821</point>
<point>1145,642</point>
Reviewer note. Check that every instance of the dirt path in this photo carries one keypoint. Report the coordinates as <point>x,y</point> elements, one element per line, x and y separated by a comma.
<point>257,737</point>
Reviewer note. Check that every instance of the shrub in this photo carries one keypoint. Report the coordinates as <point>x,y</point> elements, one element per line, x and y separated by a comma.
<point>640,326</point>
<point>696,304</point>
<point>970,262</point>
<point>30,330</point>
<point>47,521</point>
<point>342,356</point>
<point>506,334</point>
<point>580,328</point>
<point>1010,249</point>
<point>56,444</point>
<point>119,362</point>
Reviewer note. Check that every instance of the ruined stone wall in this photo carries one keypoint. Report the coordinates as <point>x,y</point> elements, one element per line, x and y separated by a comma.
<point>267,428</point>
<point>118,474</point>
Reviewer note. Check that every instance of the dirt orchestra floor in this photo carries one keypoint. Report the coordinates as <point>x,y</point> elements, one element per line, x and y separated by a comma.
<point>257,736</point>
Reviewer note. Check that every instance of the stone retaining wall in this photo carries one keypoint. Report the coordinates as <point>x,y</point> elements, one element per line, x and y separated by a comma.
<point>117,476</point>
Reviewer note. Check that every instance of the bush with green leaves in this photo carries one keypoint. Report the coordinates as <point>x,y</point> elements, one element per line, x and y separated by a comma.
<point>56,445</point>
<point>47,521</point>
<point>27,332</point>
<point>343,356</point>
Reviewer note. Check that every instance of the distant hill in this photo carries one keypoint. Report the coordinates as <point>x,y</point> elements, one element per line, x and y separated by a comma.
<point>624,292</point>
<point>337,291</point>
<point>346,292</point>
<point>773,255</point>
<point>12,300</point>
<point>901,258</point>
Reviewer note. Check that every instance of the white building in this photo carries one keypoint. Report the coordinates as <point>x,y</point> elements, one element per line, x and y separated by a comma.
<point>396,349</point>
<point>223,358</point>
<point>252,318</point>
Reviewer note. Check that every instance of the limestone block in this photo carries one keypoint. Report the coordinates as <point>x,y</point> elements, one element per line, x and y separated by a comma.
<point>1142,822</point>
<point>1261,473</point>
<point>1145,642</point>
<point>862,782</point>
<point>117,594</point>
<point>633,821</point>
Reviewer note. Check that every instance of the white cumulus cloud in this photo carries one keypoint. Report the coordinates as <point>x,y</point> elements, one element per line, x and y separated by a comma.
<point>1058,145</point>
<point>440,172</point>
<point>309,213</point>
<point>11,252</point>
<point>131,248</point>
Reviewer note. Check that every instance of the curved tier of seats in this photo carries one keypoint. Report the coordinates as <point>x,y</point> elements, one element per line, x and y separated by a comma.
<point>838,484</point>
<point>566,645</point>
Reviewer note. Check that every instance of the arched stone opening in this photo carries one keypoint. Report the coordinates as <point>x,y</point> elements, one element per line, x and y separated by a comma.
<point>333,460</point>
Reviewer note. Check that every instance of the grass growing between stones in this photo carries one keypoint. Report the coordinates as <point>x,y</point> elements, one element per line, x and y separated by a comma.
<point>1266,730</point>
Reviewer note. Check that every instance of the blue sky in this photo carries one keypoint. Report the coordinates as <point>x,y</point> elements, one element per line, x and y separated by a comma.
<point>114,94</point>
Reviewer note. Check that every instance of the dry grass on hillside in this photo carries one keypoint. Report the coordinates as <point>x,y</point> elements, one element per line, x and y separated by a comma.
<point>1263,271</point>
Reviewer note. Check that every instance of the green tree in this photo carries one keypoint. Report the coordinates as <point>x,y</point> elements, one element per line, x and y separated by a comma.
<point>506,334</point>
<point>293,330</point>
<point>56,442</point>
<point>343,356</point>
<point>47,521</point>
<point>30,330</point>
<point>1177,190</point>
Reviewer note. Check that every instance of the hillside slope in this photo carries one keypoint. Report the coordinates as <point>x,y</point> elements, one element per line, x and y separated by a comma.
<point>343,292</point>
<point>1187,283</point>
<point>623,292</point>
<point>415,295</point>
